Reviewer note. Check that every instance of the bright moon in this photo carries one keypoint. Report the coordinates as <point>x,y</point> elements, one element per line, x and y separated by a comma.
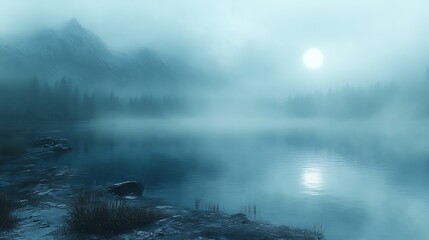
<point>313,58</point>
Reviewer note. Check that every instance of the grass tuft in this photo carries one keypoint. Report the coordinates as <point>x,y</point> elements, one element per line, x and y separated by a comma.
<point>209,207</point>
<point>318,231</point>
<point>7,219</point>
<point>104,215</point>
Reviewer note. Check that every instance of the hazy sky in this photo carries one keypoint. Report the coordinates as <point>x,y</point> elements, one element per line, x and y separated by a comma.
<point>258,42</point>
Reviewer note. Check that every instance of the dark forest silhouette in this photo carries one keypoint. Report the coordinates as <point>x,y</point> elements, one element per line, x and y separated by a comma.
<point>62,100</point>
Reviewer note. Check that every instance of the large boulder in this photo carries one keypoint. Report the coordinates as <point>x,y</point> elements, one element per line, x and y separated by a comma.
<point>128,188</point>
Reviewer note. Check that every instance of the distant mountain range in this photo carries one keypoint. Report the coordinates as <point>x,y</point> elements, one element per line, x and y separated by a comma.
<point>76,52</point>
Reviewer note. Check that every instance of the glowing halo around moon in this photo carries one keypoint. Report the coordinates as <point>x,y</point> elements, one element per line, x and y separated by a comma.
<point>313,58</point>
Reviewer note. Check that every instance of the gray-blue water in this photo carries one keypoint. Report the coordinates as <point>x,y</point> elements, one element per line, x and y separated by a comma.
<point>358,180</point>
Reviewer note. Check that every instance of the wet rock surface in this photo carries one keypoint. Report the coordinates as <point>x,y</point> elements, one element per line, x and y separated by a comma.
<point>43,194</point>
<point>195,224</point>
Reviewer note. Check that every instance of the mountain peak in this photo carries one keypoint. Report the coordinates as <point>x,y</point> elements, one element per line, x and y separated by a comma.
<point>74,25</point>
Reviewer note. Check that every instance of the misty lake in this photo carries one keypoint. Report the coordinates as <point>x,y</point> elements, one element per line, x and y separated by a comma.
<point>358,180</point>
<point>271,119</point>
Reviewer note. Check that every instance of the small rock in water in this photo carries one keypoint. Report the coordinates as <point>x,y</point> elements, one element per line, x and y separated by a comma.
<point>128,188</point>
<point>53,144</point>
<point>44,141</point>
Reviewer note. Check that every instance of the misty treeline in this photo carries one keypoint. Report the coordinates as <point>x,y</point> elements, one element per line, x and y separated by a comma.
<point>401,100</point>
<point>62,100</point>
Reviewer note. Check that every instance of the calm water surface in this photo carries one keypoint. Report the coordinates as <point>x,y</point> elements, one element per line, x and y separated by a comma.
<point>360,182</point>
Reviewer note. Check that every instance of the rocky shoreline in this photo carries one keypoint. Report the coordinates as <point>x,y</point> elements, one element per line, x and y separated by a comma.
<point>44,194</point>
